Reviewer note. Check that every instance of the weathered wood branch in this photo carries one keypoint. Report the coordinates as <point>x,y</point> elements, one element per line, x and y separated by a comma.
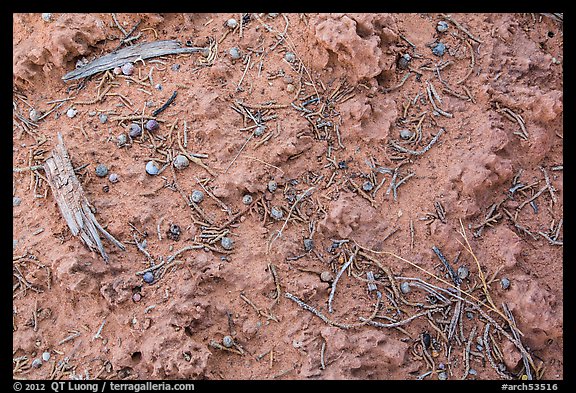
<point>120,57</point>
<point>72,202</point>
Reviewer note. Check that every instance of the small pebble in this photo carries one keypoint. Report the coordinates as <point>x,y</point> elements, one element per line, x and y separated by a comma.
<point>136,297</point>
<point>92,113</point>
<point>181,162</point>
<point>405,287</point>
<point>34,115</point>
<point>152,168</point>
<point>158,86</point>
<point>272,15</point>
<point>326,276</point>
<point>152,125</point>
<point>117,70</point>
<point>128,69</point>
<point>71,112</point>
<point>367,186</point>
<point>46,356</point>
<point>463,272</point>
<point>290,57</point>
<point>276,213</point>
<point>235,53</point>
<point>197,196</point>
<point>259,130</point>
<point>113,178</point>
<point>149,104</point>
<point>228,341</point>
<point>101,170</point>
<point>439,49</point>
<point>134,130</point>
<point>290,88</point>
<point>406,134</point>
<point>272,186</point>
<point>403,61</point>
<point>46,16</point>
<point>288,79</point>
<point>247,199</point>
<point>308,245</point>
<point>231,23</point>
<point>16,201</point>
<point>103,118</point>
<point>442,376</point>
<point>122,139</point>
<point>472,372</point>
<point>148,277</point>
<point>227,243</point>
<point>505,283</point>
<point>175,67</point>
<point>37,363</point>
<point>442,26</point>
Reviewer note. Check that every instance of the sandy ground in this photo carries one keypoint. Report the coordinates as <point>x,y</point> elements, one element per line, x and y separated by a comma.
<point>335,98</point>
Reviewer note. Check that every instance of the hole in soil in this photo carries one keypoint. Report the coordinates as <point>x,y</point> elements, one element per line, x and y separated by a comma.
<point>551,34</point>
<point>188,331</point>
<point>136,357</point>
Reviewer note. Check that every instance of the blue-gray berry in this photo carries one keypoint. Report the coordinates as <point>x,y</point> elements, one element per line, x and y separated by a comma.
<point>152,168</point>
<point>134,130</point>
<point>439,49</point>
<point>235,53</point>
<point>148,277</point>
<point>46,356</point>
<point>122,139</point>
<point>16,201</point>
<point>505,283</point>
<point>228,341</point>
<point>259,130</point>
<point>181,162</point>
<point>290,57</point>
<point>128,69</point>
<point>197,196</point>
<point>101,170</point>
<point>276,213</point>
<point>405,287</point>
<point>308,245</point>
<point>247,199</point>
<point>272,186</point>
<point>152,125</point>
<point>406,134</point>
<point>227,243</point>
<point>442,26</point>
<point>113,178</point>
<point>103,117</point>
<point>37,363</point>
<point>367,186</point>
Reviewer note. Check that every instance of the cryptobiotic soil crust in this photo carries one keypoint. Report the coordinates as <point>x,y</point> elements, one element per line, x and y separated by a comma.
<point>343,112</point>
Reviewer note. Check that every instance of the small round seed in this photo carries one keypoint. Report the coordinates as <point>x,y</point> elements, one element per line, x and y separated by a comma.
<point>367,186</point>
<point>228,341</point>
<point>308,245</point>
<point>276,213</point>
<point>442,26</point>
<point>181,161</point>
<point>148,277</point>
<point>197,196</point>
<point>406,134</point>
<point>326,276</point>
<point>463,272</point>
<point>231,23</point>
<point>272,186</point>
<point>152,125</point>
<point>505,283</point>
<point>121,140</point>
<point>405,287</point>
<point>259,130</point>
<point>247,199</point>
<point>235,53</point>
<point>101,170</point>
<point>290,57</point>
<point>113,178</point>
<point>128,69</point>
<point>71,112</point>
<point>227,243</point>
<point>152,168</point>
<point>439,49</point>
<point>134,130</point>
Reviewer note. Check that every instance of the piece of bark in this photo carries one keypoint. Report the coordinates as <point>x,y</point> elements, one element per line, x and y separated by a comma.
<point>72,202</point>
<point>129,54</point>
